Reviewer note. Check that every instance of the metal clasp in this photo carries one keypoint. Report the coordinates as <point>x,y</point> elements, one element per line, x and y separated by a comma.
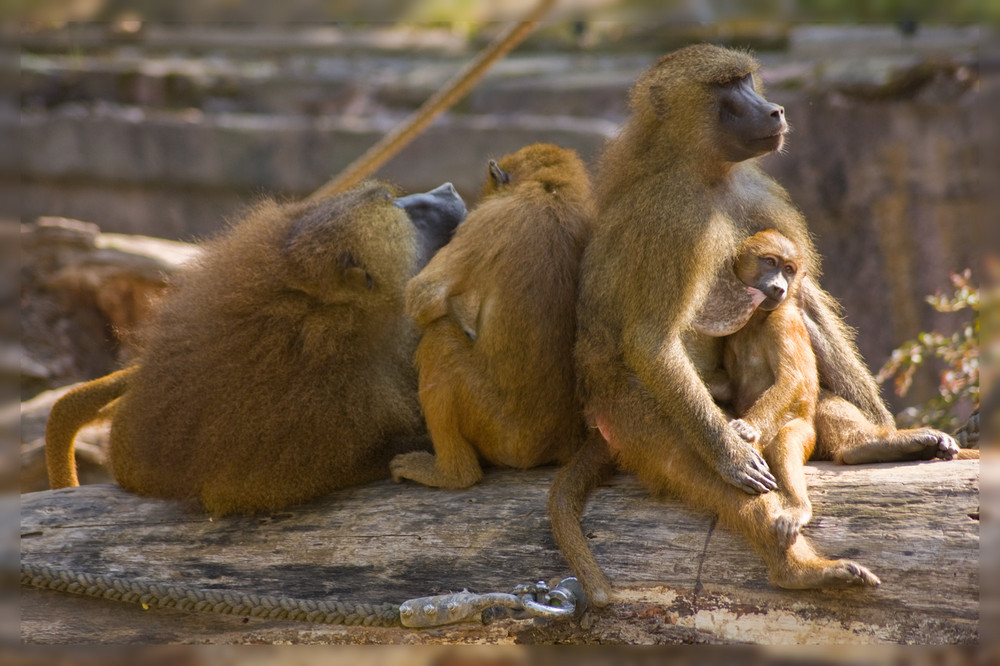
<point>565,600</point>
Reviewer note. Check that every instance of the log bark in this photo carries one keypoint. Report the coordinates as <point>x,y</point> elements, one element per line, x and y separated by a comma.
<point>678,578</point>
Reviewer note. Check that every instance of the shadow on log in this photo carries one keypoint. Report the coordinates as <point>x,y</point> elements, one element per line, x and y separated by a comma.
<point>678,579</point>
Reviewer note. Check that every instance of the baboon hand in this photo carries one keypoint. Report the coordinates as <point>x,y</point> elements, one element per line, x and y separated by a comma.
<point>745,430</point>
<point>746,469</point>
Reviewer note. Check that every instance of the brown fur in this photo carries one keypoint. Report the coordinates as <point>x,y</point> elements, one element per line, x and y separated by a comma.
<point>775,386</point>
<point>672,209</point>
<point>497,306</point>
<point>279,369</point>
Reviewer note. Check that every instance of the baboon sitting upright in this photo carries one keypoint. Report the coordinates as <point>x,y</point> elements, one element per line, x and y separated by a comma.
<point>678,192</point>
<point>497,307</point>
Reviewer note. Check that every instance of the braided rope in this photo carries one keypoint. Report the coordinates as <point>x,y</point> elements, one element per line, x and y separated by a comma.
<point>225,602</point>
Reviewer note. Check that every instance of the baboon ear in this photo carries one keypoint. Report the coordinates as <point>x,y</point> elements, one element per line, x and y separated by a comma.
<point>355,276</point>
<point>499,176</point>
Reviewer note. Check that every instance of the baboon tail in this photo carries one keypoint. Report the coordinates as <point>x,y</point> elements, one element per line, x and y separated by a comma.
<point>571,487</point>
<point>70,413</point>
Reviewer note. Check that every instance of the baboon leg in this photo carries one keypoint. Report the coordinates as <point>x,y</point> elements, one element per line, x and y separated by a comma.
<point>785,454</point>
<point>795,565</point>
<point>454,463</point>
<point>573,483</point>
<point>844,435</point>
<point>445,398</point>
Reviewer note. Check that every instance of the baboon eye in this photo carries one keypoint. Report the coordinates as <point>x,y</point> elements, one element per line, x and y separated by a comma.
<point>770,261</point>
<point>790,269</point>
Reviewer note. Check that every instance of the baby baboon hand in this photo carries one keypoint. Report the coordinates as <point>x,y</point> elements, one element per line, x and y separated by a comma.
<point>786,527</point>
<point>746,431</point>
<point>745,468</point>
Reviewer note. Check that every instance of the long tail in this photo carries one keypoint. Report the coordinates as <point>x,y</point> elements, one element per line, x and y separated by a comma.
<point>70,413</point>
<point>571,487</point>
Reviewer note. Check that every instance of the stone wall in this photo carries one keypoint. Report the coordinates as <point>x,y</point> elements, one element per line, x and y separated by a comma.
<point>169,138</point>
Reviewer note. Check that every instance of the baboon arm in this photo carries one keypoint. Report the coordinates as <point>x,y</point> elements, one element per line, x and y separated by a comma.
<point>841,369</point>
<point>663,367</point>
<point>426,301</point>
<point>771,409</point>
<point>427,293</point>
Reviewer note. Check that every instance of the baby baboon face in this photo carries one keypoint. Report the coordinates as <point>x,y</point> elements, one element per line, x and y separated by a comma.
<point>769,262</point>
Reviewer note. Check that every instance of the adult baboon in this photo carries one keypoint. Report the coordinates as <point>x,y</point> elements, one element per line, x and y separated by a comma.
<point>677,193</point>
<point>280,366</point>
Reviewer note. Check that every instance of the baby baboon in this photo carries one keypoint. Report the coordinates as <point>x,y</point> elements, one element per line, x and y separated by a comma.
<point>678,192</point>
<point>770,370</point>
<point>497,307</point>
<point>280,367</point>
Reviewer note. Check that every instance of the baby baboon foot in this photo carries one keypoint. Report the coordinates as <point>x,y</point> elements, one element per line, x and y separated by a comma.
<point>786,526</point>
<point>843,573</point>
<point>746,431</point>
<point>421,466</point>
<point>927,443</point>
<point>831,573</point>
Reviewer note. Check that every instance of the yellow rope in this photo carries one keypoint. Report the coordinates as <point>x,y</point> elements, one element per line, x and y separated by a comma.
<point>443,99</point>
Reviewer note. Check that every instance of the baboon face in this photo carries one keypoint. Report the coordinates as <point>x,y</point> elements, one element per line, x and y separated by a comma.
<point>749,125</point>
<point>769,263</point>
<point>709,98</point>
<point>435,215</point>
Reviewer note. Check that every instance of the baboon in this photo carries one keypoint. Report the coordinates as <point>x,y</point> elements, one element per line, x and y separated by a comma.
<point>280,367</point>
<point>677,193</point>
<point>497,307</point>
<point>769,376</point>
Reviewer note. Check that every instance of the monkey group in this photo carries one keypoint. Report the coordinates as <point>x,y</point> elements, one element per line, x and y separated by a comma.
<point>666,321</point>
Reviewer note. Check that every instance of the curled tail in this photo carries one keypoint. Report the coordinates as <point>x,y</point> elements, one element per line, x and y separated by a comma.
<point>70,413</point>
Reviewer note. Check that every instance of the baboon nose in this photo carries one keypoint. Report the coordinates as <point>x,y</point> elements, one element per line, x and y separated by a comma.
<point>778,112</point>
<point>777,293</point>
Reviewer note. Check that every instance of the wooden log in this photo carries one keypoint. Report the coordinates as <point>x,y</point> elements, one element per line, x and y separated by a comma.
<point>678,578</point>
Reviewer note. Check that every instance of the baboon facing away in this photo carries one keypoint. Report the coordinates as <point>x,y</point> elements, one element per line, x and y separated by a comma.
<point>497,308</point>
<point>677,194</point>
<point>280,366</point>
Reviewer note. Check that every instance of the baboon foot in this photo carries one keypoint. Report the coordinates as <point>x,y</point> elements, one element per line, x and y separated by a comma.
<point>926,443</point>
<point>829,573</point>
<point>916,444</point>
<point>421,466</point>
<point>786,526</point>
<point>746,431</point>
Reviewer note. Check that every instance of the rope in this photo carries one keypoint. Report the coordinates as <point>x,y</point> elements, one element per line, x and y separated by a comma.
<point>443,99</point>
<point>225,602</point>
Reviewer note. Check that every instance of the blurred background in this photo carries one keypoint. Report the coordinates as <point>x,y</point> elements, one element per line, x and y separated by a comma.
<point>165,119</point>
